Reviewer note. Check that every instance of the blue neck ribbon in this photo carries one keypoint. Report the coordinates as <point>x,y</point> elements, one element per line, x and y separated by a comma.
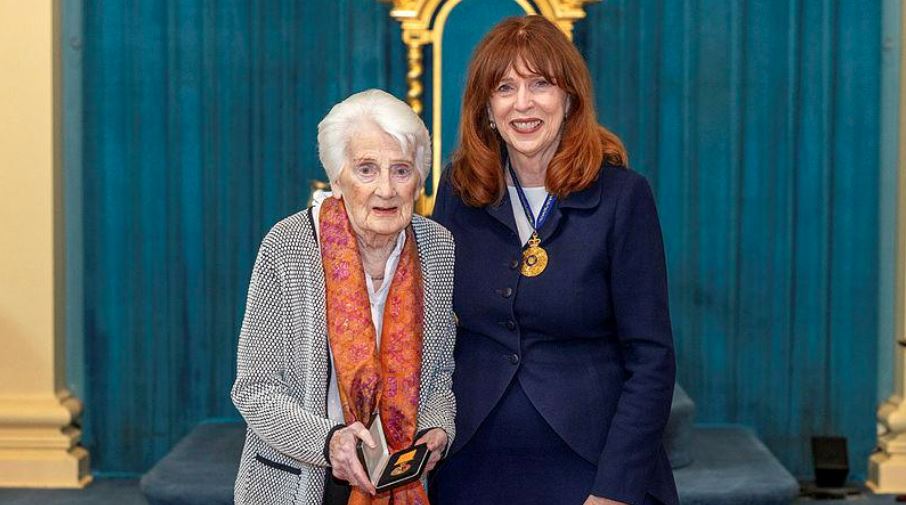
<point>545,208</point>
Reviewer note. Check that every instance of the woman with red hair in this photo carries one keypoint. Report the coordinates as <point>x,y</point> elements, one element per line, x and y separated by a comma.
<point>564,355</point>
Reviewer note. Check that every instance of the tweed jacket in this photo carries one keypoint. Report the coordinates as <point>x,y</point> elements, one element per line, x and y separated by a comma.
<point>284,364</point>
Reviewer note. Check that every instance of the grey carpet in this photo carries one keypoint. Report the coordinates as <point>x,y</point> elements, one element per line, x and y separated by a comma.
<point>126,492</point>
<point>100,492</point>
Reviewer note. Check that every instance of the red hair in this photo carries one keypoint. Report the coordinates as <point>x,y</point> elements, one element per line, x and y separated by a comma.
<point>477,173</point>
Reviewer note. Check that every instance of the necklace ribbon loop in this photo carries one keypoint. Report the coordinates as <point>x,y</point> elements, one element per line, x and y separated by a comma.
<point>534,257</point>
<point>546,207</point>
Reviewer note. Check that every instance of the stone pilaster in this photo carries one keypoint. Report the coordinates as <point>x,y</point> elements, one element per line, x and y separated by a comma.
<point>38,437</point>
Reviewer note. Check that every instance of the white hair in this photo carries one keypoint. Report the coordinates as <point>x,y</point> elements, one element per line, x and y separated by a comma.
<point>379,108</point>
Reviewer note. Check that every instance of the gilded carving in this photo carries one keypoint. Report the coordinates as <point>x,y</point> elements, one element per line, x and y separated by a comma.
<point>415,17</point>
<point>422,24</point>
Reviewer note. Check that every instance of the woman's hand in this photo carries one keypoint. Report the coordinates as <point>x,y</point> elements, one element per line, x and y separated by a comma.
<point>344,460</point>
<point>436,439</point>
<point>597,500</point>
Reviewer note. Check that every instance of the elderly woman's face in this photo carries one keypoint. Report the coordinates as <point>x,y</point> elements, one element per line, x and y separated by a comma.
<point>378,184</point>
<point>528,111</point>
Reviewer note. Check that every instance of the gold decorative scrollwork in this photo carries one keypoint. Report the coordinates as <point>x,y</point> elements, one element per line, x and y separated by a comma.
<point>422,24</point>
<point>414,79</point>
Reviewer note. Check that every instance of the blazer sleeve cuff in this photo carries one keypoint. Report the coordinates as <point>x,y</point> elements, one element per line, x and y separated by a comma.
<point>622,481</point>
<point>327,441</point>
<point>618,492</point>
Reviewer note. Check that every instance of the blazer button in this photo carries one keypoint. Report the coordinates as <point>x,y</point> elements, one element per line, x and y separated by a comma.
<point>511,325</point>
<point>514,359</point>
<point>514,264</point>
<point>506,292</point>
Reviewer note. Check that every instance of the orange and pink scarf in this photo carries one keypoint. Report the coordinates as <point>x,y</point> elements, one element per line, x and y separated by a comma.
<point>369,380</point>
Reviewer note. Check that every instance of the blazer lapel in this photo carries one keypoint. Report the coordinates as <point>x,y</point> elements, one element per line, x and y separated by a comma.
<point>503,212</point>
<point>588,198</point>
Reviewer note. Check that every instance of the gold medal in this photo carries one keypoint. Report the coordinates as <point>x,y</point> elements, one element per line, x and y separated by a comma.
<point>534,258</point>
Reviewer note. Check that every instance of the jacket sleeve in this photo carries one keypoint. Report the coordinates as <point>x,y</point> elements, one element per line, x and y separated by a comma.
<point>439,410</point>
<point>261,391</point>
<point>639,293</point>
<point>441,194</point>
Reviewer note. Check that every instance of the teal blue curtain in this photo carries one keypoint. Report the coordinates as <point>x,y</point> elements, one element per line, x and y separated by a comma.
<point>465,26</point>
<point>758,124</point>
<point>756,121</point>
<point>199,134</point>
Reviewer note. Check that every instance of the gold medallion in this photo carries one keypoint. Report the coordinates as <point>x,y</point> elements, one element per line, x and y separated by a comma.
<point>534,258</point>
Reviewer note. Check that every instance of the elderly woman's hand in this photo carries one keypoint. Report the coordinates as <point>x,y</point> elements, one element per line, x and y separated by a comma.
<point>436,439</point>
<point>344,460</point>
<point>597,500</point>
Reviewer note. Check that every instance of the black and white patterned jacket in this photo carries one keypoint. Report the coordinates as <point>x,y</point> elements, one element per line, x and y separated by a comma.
<point>284,366</point>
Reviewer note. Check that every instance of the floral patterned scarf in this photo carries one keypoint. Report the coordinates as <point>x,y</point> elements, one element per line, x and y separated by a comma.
<point>386,380</point>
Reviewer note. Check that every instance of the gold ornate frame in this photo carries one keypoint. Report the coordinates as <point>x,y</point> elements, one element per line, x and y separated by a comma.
<point>423,24</point>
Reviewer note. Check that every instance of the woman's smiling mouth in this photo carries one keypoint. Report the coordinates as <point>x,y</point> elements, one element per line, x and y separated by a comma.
<point>526,125</point>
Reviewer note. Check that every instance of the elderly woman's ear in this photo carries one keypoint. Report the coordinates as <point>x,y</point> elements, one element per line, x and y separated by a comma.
<point>336,190</point>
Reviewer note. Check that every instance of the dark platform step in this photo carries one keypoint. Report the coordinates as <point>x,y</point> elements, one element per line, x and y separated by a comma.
<point>201,469</point>
<point>678,433</point>
<point>732,467</point>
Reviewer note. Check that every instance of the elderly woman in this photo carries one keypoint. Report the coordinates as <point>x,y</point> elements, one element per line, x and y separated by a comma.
<point>564,358</point>
<point>348,315</point>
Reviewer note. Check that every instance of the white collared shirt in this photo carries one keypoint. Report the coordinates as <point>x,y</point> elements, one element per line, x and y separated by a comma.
<point>377,298</point>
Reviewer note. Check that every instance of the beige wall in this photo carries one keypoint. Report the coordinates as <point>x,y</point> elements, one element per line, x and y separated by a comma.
<point>37,439</point>
<point>27,138</point>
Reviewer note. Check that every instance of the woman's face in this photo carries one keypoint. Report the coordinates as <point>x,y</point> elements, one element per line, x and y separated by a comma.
<point>378,184</point>
<point>528,112</point>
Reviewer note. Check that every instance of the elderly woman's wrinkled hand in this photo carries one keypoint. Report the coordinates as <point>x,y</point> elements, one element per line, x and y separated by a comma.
<point>436,439</point>
<point>343,457</point>
<point>597,500</point>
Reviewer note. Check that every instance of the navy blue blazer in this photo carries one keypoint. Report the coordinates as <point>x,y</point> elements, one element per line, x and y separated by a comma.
<point>589,339</point>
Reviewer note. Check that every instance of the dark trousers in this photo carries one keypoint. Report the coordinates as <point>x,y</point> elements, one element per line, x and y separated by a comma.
<point>336,492</point>
<point>514,457</point>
